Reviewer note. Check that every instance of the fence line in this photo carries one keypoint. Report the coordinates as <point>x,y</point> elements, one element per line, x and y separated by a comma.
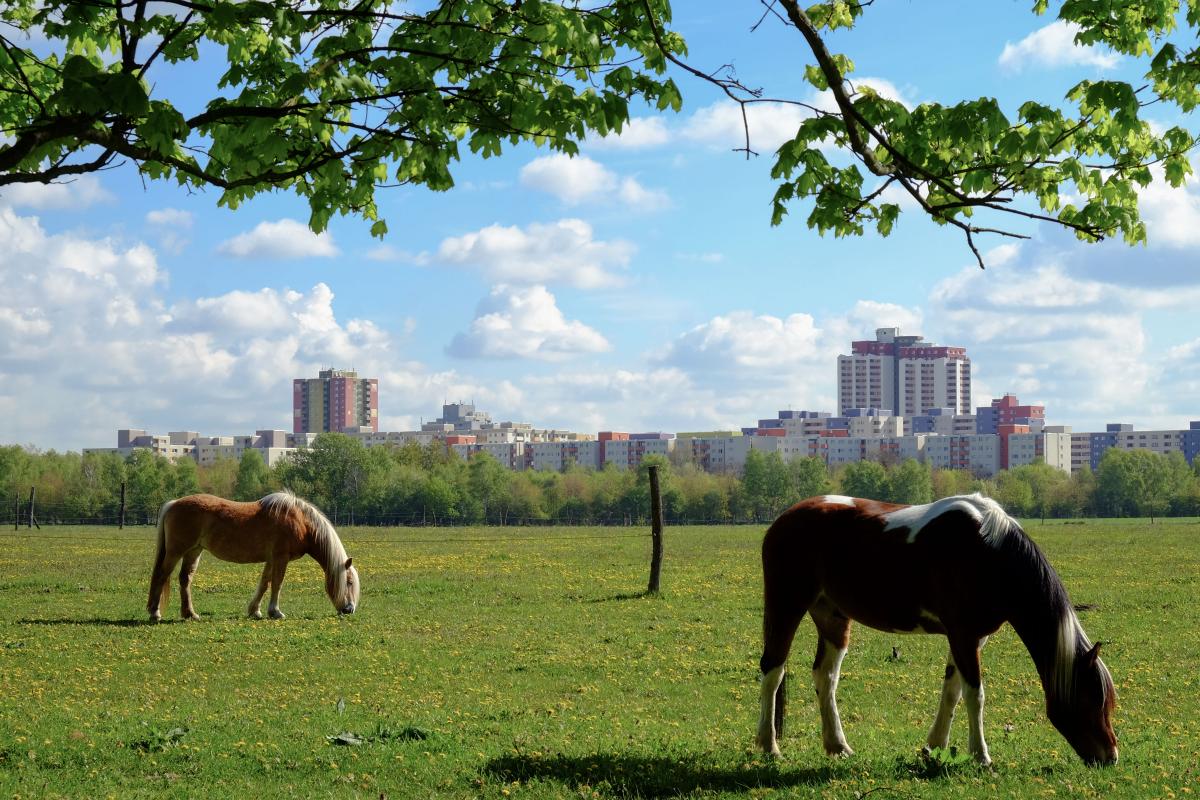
<point>356,540</point>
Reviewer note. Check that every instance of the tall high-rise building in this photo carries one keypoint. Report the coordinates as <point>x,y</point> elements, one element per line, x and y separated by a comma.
<point>904,374</point>
<point>337,400</point>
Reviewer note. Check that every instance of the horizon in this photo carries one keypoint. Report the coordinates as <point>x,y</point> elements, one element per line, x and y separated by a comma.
<point>638,286</point>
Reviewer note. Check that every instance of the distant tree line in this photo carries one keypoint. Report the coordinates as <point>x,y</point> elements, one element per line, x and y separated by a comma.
<point>414,485</point>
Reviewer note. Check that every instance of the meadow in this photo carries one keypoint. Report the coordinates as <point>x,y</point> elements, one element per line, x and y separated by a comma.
<point>525,663</point>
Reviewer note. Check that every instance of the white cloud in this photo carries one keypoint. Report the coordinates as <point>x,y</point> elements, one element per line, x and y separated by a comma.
<point>67,194</point>
<point>515,322</point>
<point>1079,344</point>
<point>881,86</point>
<point>1172,215</point>
<point>386,253</point>
<point>761,363</point>
<point>580,179</point>
<point>171,227</point>
<point>636,196</point>
<point>172,217</point>
<point>634,400</point>
<point>721,125</point>
<point>88,345</point>
<point>572,180</point>
<point>770,124</point>
<point>1051,47</point>
<point>639,133</point>
<point>563,252</point>
<point>282,239</point>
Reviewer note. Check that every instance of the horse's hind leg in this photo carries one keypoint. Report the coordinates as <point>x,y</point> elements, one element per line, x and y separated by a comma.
<point>833,637</point>
<point>160,584</point>
<point>782,612</point>
<point>939,734</point>
<point>191,560</point>
<point>255,608</point>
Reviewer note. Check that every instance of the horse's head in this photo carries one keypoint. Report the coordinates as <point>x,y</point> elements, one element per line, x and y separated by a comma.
<point>342,585</point>
<point>1082,714</point>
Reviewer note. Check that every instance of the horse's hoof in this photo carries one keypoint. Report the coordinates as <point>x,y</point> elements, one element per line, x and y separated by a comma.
<point>277,614</point>
<point>191,616</point>
<point>156,617</point>
<point>254,614</point>
<point>839,751</point>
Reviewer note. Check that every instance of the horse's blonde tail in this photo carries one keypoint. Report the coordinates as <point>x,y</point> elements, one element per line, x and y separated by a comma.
<point>160,583</point>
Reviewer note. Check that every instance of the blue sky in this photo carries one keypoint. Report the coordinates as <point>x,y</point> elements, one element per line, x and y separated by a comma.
<point>637,287</point>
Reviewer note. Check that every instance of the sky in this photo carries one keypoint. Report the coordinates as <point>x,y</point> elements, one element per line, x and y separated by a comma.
<point>639,286</point>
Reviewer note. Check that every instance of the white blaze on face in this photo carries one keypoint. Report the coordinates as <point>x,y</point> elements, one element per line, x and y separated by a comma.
<point>838,500</point>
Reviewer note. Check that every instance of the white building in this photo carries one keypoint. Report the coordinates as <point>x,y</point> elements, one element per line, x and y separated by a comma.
<point>728,453</point>
<point>904,374</point>
<point>557,456</point>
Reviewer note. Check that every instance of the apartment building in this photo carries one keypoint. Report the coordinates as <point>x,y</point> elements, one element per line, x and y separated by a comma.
<point>977,453</point>
<point>510,455</point>
<point>942,421</point>
<point>273,445</point>
<point>558,456</point>
<point>336,400</point>
<point>728,453</point>
<point>1008,410</point>
<point>905,374</point>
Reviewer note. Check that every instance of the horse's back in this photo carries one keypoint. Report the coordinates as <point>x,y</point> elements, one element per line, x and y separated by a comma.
<point>229,529</point>
<point>874,563</point>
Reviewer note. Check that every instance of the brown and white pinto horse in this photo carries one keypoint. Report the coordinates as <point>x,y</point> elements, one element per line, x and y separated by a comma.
<point>960,567</point>
<point>276,530</point>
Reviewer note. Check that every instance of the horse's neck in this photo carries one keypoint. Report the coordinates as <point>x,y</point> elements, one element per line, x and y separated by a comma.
<point>1040,630</point>
<point>325,549</point>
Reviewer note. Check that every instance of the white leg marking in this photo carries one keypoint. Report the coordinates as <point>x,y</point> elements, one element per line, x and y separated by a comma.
<point>825,676</point>
<point>766,719</point>
<point>939,734</point>
<point>973,698</point>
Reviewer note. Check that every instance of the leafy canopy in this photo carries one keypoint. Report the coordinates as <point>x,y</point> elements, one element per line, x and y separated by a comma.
<point>972,158</point>
<point>332,100</point>
<point>327,99</point>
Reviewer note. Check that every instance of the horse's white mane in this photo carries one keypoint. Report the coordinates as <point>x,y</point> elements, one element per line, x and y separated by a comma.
<point>994,523</point>
<point>329,551</point>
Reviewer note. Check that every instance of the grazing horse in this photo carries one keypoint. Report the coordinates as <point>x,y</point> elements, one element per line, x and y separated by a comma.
<point>277,529</point>
<point>960,567</point>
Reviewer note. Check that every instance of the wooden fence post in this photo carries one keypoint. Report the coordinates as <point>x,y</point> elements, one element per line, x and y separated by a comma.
<point>32,519</point>
<point>656,532</point>
<point>16,511</point>
<point>121,518</point>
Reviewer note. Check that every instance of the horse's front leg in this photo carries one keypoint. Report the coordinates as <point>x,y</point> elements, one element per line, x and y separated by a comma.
<point>939,734</point>
<point>255,608</point>
<point>278,567</point>
<point>965,652</point>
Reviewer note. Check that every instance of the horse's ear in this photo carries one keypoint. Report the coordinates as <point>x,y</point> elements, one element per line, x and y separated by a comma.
<point>348,562</point>
<point>1093,655</point>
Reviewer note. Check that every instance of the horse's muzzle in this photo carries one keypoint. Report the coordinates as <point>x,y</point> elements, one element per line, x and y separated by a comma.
<point>347,609</point>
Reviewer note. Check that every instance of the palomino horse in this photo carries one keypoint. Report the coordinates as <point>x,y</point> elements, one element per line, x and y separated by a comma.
<point>276,530</point>
<point>960,567</point>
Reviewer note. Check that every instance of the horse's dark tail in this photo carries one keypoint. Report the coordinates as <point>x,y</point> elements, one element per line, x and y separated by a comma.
<point>160,584</point>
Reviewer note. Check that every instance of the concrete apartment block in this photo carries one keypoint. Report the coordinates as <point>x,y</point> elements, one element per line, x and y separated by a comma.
<point>977,453</point>
<point>905,374</point>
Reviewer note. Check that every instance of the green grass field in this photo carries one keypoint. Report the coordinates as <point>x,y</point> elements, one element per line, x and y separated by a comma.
<point>524,663</point>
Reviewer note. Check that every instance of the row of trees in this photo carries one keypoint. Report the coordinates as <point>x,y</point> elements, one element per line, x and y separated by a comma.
<point>428,485</point>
